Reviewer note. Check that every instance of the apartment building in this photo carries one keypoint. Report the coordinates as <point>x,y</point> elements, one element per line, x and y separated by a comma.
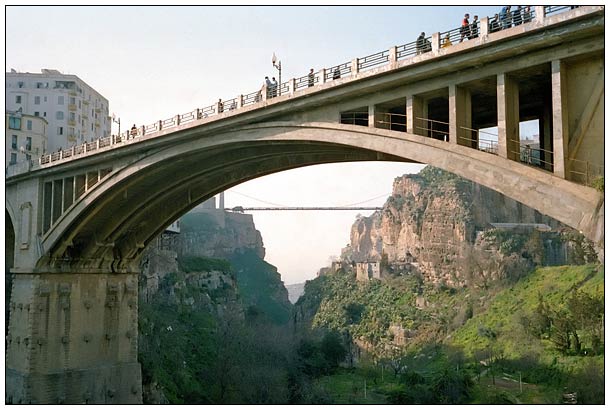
<point>25,135</point>
<point>74,111</point>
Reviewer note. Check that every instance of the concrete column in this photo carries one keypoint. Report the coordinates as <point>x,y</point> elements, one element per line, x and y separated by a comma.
<point>460,115</point>
<point>354,67</point>
<point>292,86</point>
<point>415,109</point>
<point>240,100</point>
<point>508,117</point>
<point>73,338</point>
<point>484,28</point>
<point>392,58</point>
<point>539,11</point>
<point>159,127</point>
<point>436,42</point>
<point>177,120</point>
<point>372,115</point>
<point>322,76</point>
<point>560,118</point>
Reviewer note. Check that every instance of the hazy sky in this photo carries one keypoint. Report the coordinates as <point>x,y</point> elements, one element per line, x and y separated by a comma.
<point>153,62</point>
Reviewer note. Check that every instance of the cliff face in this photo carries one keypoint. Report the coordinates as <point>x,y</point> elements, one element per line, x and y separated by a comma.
<point>433,221</point>
<point>218,234</point>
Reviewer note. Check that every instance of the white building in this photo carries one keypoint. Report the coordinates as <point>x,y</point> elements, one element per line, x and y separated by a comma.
<point>25,137</point>
<point>74,111</point>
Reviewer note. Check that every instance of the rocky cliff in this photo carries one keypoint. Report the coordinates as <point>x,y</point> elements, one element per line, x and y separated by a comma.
<point>434,222</point>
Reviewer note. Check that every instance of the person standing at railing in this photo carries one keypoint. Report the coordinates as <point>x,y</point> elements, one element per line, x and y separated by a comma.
<point>494,24</point>
<point>527,14</point>
<point>517,16</point>
<point>273,87</point>
<point>465,29</point>
<point>134,130</point>
<point>336,73</point>
<point>505,17</point>
<point>420,43</point>
<point>446,41</point>
<point>474,27</point>
<point>310,78</point>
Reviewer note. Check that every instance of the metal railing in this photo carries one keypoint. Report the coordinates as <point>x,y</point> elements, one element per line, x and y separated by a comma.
<point>433,127</point>
<point>337,71</point>
<point>534,156</point>
<point>550,10</point>
<point>482,144</point>
<point>584,172</point>
<point>373,60</point>
<point>306,81</point>
<point>354,117</point>
<point>391,121</point>
<point>377,59</point>
<point>406,50</point>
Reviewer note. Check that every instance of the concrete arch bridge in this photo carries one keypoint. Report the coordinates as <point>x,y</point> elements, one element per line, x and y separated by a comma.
<point>78,220</point>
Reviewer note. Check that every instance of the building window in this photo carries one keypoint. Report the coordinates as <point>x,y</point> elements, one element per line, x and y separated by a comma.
<point>72,100</point>
<point>79,104</point>
<point>14,142</point>
<point>36,114</point>
<point>60,130</point>
<point>17,99</point>
<point>14,123</point>
<point>44,114</point>
<point>60,99</point>
<point>28,125</point>
<point>28,143</point>
<point>20,84</point>
<point>13,158</point>
<point>45,99</point>
<point>59,115</point>
<point>37,100</point>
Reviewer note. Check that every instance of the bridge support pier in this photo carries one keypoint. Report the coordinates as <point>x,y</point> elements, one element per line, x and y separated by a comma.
<point>73,338</point>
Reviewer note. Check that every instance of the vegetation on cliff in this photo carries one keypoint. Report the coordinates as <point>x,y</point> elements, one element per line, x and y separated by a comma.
<point>546,329</point>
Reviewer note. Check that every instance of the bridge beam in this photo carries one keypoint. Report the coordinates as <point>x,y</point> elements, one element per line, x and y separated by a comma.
<point>73,338</point>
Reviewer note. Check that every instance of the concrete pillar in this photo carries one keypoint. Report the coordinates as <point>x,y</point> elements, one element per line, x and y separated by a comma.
<point>322,76</point>
<point>240,100</point>
<point>508,117</point>
<point>73,338</point>
<point>539,11</point>
<point>545,130</point>
<point>392,57</point>
<point>560,118</point>
<point>354,67</point>
<point>415,109</point>
<point>264,92</point>
<point>460,115</point>
<point>436,42</point>
<point>177,119</point>
<point>484,27</point>
<point>372,115</point>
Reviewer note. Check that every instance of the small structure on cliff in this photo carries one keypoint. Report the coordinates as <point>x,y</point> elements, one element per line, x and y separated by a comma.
<point>368,270</point>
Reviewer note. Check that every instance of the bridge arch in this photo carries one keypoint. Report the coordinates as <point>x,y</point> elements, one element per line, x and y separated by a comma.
<point>114,222</point>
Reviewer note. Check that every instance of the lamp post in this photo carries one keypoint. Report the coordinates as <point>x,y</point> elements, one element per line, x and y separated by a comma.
<point>279,69</point>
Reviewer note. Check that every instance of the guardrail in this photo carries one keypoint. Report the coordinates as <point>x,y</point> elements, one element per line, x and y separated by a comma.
<point>400,52</point>
<point>482,144</point>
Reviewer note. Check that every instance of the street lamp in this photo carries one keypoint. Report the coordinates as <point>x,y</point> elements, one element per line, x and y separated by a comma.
<point>279,69</point>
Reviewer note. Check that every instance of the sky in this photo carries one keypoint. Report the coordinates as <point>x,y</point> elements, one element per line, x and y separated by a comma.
<point>153,62</point>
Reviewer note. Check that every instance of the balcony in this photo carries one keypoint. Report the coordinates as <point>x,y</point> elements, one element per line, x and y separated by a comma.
<point>71,107</point>
<point>71,138</point>
<point>72,123</point>
<point>85,102</point>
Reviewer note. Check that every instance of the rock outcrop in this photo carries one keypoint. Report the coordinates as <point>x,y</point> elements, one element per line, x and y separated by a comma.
<point>433,222</point>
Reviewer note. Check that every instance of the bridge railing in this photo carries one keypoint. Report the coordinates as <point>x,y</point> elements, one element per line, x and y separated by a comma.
<point>534,156</point>
<point>373,60</point>
<point>435,128</point>
<point>472,138</point>
<point>585,172</point>
<point>337,71</point>
<point>406,50</point>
